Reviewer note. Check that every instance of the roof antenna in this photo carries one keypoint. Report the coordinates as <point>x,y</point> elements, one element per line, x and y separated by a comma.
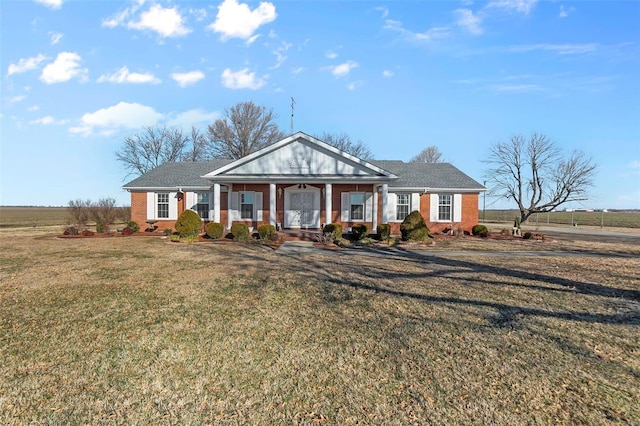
<point>293,103</point>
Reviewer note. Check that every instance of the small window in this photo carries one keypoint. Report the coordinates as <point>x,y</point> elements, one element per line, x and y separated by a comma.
<point>163,206</point>
<point>402,206</point>
<point>357,205</point>
<point>202,206</point>
<point>246,205</point>
<point>444,207</point>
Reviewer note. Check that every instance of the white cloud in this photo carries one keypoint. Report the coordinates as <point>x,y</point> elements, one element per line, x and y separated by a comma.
<point>25,65</point>
<point>384,11</point>
<point>560,49</point>
<point>521,6</point>
<point>238,20</point>
<point>65,67</point>
<point>565,12</point>
<point>33,108</point>
<point>429,35</point>
<point>331,55</point>
<point>297,70</point>
<point>124,115</point>
<point>470,22</point>
<point>47,120</point>
<point>16,99</point>
<point>242,79</point>
<point>119,18</point>
<point>55,37</point>
<point>387,73</point>
<point>512,88</point>
<point>124,76</point>
<point>165,21</point>
<point>186,119</point>
<point>53,4</point>
<point>280,54</point>
<point>353,86</point>
<point>343,69</point>
<point>185,79</point>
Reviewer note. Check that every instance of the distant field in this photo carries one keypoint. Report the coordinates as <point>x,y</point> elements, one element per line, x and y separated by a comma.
<point>19,217</point>
<point>618,219</point>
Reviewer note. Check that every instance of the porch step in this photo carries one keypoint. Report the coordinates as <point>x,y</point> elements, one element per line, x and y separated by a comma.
<point>299,234</point>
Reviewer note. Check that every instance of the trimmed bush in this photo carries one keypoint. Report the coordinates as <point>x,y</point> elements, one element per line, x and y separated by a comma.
<point>240,232</point>
<point>188,224</point>
<point>127,231</point>
<point>359,231</point>
<point>214,230</point>
<point>479,230</point>
<point>266,231</point>
<point>383,231</point>
<point>133,225</point>
<point>333,228</point>
<point>413,227</point>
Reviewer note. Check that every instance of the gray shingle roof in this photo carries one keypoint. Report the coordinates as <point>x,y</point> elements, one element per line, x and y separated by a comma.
<point>175,175</point>
<point>410,175</point>
<point>427,175</point>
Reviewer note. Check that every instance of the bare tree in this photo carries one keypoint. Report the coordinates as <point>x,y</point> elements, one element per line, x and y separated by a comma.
<point>430,154</point>
<point>144,151</point>
<point>343,142</point>
<point>536,175</point>
<point>198,147</point>
<point>245,128</point>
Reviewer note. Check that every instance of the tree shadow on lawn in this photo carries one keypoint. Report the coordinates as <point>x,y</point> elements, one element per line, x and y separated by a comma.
<point>473,272</point>
<point>374,274</point>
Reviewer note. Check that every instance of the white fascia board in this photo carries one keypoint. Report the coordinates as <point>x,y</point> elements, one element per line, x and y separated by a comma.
<point>166,188</point>
<point>302,179</point>
<point>423,190</point>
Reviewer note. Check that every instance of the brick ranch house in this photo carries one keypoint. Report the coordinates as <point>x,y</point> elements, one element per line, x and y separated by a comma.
<point>301,182</point>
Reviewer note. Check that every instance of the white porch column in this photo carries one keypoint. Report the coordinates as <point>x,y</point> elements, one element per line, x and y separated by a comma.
<point>229,211</point>
<point>375,209</point>
<point>385,195</point>
<point>216,202</point>
<point>272,204</point>
<point>327,203</point>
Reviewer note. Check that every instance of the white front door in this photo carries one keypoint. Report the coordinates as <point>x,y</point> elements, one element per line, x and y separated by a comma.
<point>302,209</point>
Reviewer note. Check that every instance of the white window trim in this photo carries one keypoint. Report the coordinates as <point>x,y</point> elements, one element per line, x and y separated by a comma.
<point>408,204</point>
<point>345,208</point>
<point>253,206</point>
<point>456,208</point>
<point>207,204</point>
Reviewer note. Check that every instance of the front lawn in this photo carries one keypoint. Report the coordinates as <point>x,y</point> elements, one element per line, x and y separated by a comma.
<point>138,330</point>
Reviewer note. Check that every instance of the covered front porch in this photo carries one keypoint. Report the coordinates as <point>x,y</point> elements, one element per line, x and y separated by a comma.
<point>305,204</point>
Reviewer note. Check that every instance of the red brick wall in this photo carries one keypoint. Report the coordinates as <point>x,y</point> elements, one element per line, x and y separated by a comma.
<point>469,208</point>
<point>469,214</point>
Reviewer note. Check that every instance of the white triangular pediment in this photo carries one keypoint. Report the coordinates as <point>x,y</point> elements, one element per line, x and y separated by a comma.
<point>299,155</point>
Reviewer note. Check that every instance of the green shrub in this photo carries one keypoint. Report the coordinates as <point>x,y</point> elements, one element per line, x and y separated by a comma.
<point>333,228</point>
<point>479,230</point>
<point>188,224</point>
<point>383,231</point>
<point>359,231</point>
<point>214,230</point>
<point>240,231</point>
<point>413,227</point>
<point>267,231</point>
<point>168,232</point>
<point>133,225</point>
<point>99,226</point>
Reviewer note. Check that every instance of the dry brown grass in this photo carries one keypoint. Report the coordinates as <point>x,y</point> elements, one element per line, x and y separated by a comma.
<point>137,330</point>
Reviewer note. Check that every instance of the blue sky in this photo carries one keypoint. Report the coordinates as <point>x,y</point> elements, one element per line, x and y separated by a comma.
<point>79,76</point>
